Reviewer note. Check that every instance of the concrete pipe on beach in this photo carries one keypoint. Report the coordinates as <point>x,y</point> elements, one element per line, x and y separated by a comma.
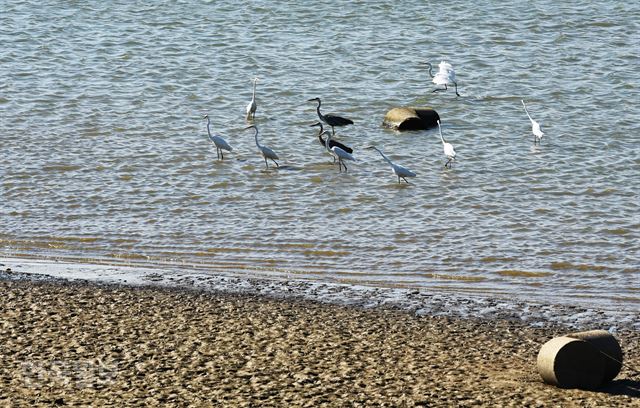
<point>608,346</point>
<point>580,360</point>
<point>411,118</point>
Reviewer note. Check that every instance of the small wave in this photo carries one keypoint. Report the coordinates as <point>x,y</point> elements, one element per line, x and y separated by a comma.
<point>564,265</point>
<point>524,274</point>
<point>62,168</point>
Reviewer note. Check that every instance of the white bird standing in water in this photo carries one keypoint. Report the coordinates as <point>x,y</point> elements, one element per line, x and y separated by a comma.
<point>251,107</point>
<point>218,141</point>
<point>264,150</point>
<point>535,126</point>
<point>447,147</point>
<point>337,151</point>
<point>398,170</point>
<point>445,75</point>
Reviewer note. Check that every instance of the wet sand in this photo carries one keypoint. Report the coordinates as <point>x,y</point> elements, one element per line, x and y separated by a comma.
<point>92,344</point>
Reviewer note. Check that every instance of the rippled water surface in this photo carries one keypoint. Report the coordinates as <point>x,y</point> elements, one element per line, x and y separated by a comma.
<point>105,152</point>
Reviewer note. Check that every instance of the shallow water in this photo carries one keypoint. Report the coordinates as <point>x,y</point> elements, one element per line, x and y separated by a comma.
<point>105,153</point>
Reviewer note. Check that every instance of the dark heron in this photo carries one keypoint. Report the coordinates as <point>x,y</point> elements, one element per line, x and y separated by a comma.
<point>331,142</point>
<point>331,120</point>
<point>337,152</point>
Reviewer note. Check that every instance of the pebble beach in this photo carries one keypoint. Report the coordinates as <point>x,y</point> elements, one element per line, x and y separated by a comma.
<point>81,343</point>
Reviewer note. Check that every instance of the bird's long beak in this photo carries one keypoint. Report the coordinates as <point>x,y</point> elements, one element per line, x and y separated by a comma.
<point>205,116</point>
<point>312,99</point>
<point>249,127</point>
<point>316,124</point>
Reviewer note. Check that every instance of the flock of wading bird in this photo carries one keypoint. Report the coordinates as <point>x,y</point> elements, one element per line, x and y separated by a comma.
<point>445,76</point>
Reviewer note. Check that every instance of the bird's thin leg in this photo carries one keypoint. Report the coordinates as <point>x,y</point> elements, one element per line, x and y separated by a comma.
<point>333,131</point>
<point>445,87</point>
<point>218,153</point>
<point>277,165</point>
<point>266,163</point>
<point>221,154</point>
<point>447,163</point>
<point>405,180</point>
<point>456,84</point>
<point>345,167</point>
<point>399,180</point>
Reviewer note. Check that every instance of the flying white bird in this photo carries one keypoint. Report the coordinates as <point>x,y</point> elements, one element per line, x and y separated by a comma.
<point>445,75</point>
<point>398,170</point>
<point>218,141</point>
<point>264,150</point>
<point>251,107</point>
<point>535,126</point>
<point>448,148</point>
<point>338,152</point>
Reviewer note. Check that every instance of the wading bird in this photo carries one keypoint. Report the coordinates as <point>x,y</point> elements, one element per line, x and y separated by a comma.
<point>251,107</point>
<point>448,148</point>
<point>264,150</point>
<point>337,152</point>
<point>331,120</point>
<point>218,141</point>
<point>331,142</point>
<point>398,170</point>
<point>445,75</point>
<point>535,126</point>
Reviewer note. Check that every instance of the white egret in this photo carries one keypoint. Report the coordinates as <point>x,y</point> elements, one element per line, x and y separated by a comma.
<point>251,107</point>
<point>218,141</point>
<point>337,152</point>
<point>401,172</point>
<point>448,148</point>
<point>331,120</point>
<point>535,126</point>
<point>445,75</point>
<point>264,150</point>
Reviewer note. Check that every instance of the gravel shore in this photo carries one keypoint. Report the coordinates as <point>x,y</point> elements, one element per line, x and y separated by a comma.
<point>73,343</point>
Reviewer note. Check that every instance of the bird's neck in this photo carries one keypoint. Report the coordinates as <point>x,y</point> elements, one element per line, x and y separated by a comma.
<point>384,157</point>
<point>254,90</point>
<point>318,110</point>
<point>442,138</point>
<point>208,123</point>
<point>256,137</point>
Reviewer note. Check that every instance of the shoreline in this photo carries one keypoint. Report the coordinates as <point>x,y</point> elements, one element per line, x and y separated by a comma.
<point>90,343</point>
<point>418,302</point>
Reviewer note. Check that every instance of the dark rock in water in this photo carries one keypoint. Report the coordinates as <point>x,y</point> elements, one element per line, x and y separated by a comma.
<point>411,118</point>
